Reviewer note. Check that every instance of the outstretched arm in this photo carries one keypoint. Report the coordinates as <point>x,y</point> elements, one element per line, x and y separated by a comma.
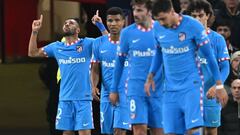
<point>33,51</point>
<point>96,20</point>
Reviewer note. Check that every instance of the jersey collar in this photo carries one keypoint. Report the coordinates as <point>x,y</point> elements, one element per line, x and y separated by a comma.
<point>112,41</point>
<point>144,29</point>
<point>71,43</point>
<point>179,21</point>
<point>208,31</point>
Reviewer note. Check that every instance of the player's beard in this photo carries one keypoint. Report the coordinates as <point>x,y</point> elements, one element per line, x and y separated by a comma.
<point>68,33</point>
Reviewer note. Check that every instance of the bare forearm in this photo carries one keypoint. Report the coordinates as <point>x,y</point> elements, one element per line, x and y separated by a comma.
<point>33,51</point>
<point>95,80</point>
<point>94,75</point>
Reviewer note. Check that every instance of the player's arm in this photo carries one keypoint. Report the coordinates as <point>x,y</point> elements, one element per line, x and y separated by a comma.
<point>155,65</point>
<point>117,72</point>
<point>97,20</point>
<point>95,69</point>
<point>204,45</point>
<point>224,67</point>
<point>33,50</point>
<point>221,93</point>
<point>122,52</point>
<point>95,72</point>
<point>223,58</point>
<point>223,63</point>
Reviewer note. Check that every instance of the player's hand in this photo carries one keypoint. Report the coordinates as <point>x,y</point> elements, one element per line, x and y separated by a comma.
<point>211,93</point>
<point>37,24</point>
<point>222,96</point>
<point>149,83</point>
<point>95,94</point>
<point>114,98</point>
<point>96,18</point>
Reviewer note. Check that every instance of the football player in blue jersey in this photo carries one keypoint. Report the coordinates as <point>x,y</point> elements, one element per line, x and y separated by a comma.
<point>137,44</point>
<point>179,38</point>
<point>73,57</point>
<point>114,117</point>
<point>202,11</point>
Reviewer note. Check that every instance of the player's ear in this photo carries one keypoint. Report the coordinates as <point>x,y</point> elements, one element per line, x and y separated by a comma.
<point>124,23</point>
<point>150,12</point>
<point>78,30</point>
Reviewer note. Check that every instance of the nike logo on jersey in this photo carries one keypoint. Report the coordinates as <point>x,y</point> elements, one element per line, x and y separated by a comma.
<point>85,124</point>
<point>125,123</point>
<point>214,121</point>
<point>60,50</point>
<point>103,51</point>
<point>195,120</point>
<point>162,36</point>
<point>136,40</point>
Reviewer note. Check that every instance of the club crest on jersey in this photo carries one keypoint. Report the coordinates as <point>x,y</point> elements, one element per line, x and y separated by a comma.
<point>79,48</point>
<point>181,36</point>
<point>133,116</point>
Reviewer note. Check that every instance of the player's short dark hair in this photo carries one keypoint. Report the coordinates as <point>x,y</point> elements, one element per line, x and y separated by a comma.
<point>198,5</point>
<point>75,19</point>
<point>148,3</point>
<point>161,6</point>
<point>115,11</point>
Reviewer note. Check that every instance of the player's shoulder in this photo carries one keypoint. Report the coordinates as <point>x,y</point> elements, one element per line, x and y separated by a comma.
<point>216,35</point>
<point>87,39</point>
<point>157,26</point>
<point>188,18</point>
<point>190,21</point>
<point>129,28</point>
<point>56,44</point>
<point>101,39</point>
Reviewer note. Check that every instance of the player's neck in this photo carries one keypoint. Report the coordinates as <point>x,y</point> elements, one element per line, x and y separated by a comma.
<point>113,38</point>
<point>176,20</point>
<point>71,39</point>
<point>208,30</point>
<point>147,24</point>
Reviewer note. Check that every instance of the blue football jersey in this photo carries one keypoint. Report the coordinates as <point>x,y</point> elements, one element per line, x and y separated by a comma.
<point>138,45</point>
<point>220,51</point>
<point>74,62</point>
<point>178,47</point>
<point>104,52</point>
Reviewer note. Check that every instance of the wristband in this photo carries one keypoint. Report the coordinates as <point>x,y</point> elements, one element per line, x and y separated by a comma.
<point>35,32</point>
<point>218,87</point>
<point>100,26</point>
